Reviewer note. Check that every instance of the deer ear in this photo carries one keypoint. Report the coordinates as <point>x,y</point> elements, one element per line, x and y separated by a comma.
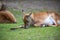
<point>3,6</point>
<point>30,14</point>
<point>23,12</point>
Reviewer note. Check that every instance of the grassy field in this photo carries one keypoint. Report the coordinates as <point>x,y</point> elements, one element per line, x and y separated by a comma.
<point>32,33</point>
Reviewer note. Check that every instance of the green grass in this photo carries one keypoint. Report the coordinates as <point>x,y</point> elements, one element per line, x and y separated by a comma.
<point>32,33</point>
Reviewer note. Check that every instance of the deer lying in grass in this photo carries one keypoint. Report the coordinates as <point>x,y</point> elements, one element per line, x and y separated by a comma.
<point>41,19</point>
<point>5,15</point>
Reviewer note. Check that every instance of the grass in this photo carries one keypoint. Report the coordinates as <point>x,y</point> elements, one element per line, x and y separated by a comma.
<point>32,33</point>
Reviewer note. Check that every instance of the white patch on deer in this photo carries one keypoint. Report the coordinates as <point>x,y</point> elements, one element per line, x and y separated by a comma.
<point>49,20</point>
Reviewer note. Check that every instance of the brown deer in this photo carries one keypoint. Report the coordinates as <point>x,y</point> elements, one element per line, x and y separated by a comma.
<point>38,18</point>
<point>5,15</point>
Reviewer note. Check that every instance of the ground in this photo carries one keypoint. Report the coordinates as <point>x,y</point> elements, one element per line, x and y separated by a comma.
<point>32,33</point>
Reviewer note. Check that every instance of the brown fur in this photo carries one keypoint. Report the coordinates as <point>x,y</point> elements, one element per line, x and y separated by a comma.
<point>6,16</point>
<point>39,17</point>
<point>42,16</point>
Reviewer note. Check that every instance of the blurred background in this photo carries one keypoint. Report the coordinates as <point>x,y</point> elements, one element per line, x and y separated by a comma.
<point>35,5</point>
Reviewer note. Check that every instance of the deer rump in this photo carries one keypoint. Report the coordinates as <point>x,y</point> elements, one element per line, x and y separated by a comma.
<point>5,15</point>
<point>39,19</point>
